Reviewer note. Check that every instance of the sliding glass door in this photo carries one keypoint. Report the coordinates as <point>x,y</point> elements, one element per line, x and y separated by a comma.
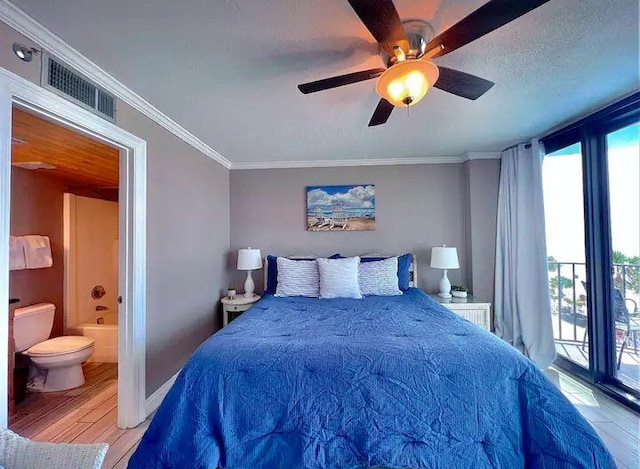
<point>623,161</point>
<point>564,219</point>
<point>591,179</point>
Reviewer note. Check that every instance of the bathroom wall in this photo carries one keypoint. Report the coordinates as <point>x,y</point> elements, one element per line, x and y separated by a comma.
<point>36,208</point>
<point>93,257</point>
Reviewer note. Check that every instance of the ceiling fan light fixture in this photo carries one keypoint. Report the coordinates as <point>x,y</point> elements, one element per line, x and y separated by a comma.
<point>406,83</point>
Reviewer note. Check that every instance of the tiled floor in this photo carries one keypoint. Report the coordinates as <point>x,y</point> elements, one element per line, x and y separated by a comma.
<point>618,427</point>
<point>88,414</point>
<point>83,415</point>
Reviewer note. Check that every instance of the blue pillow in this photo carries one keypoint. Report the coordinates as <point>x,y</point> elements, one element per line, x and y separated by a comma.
<point>404,265</point>
<point>272,271</point>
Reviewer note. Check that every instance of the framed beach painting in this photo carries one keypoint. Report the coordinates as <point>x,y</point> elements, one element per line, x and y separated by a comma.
<point>341,208</point>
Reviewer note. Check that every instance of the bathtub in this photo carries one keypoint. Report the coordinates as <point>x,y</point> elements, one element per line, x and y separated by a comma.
<point>104,330</point>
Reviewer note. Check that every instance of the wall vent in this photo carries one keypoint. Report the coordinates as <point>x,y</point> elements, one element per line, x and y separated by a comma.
<point>66,82</point>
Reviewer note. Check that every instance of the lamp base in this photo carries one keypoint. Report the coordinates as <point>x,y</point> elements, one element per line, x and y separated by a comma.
<point>444,285</point>
<point>249,286</point>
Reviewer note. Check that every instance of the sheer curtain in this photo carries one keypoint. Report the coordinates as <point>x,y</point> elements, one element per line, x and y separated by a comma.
<point>522,303</point>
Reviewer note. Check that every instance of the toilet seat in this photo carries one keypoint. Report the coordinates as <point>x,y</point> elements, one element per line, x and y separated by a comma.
<point>60,346</point>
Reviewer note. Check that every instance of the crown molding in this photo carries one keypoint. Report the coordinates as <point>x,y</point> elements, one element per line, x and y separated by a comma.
<point>482,155</point>
<point>367,162</point>
<point>27,26</point>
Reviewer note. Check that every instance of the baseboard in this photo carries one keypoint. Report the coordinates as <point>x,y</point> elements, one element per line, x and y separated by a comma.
<point>155,399</point>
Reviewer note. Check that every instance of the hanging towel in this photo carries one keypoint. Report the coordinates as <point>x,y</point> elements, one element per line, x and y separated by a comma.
<point>17,260</point>
<point>37,251</point>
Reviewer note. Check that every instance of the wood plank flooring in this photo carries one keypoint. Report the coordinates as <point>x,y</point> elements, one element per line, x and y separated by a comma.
<point>86,414</point>
<point>618,427</point>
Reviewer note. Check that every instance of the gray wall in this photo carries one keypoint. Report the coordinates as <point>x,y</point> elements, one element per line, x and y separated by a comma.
<point>484,176</point>
<point>187,240</point>
<point>417,207</point>
<point>188,234</point>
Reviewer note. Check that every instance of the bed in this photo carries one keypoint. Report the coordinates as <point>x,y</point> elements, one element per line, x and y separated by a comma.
<point>395,381</point>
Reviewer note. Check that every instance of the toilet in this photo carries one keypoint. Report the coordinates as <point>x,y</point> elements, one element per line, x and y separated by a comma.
<point>56,364</point>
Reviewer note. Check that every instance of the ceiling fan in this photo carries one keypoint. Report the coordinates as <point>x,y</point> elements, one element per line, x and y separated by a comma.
<point>407,47</point>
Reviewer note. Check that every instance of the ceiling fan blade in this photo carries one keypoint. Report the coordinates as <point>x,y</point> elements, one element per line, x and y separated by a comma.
<point>488,17</point>
<point>383,22</point>
<point>340,80</point>
<point>462,84</point>
<point>382,113</point>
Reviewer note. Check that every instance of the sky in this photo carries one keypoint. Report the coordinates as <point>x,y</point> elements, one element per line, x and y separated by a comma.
<point>562,181</point>
<point>350,197</point>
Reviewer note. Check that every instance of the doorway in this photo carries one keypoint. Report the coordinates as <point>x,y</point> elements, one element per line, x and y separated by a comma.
<point>65,199</point>
<point>15,91</point>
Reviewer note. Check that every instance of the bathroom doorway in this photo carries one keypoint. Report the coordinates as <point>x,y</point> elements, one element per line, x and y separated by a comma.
<point>64,268</point>
<point>20,93</point>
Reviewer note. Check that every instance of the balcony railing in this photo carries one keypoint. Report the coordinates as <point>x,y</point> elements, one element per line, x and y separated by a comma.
<point>567,286</point>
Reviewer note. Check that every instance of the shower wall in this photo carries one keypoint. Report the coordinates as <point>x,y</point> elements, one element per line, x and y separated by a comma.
<point>91,249</point>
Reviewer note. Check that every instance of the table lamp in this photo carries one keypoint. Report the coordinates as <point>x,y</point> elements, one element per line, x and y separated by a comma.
<point>444,258</point>
<point>249,259</point>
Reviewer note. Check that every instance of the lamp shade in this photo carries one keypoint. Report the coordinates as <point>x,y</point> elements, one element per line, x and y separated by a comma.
<point>444,258</point>
<point>249,259</point>
<point>406,83</point>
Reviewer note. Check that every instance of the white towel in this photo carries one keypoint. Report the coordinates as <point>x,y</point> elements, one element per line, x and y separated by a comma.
<point>17,260</point>
<point>36,241</point>
<point>37,251</point>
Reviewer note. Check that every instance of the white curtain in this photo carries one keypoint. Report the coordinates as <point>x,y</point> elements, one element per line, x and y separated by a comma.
<point>522,303</point>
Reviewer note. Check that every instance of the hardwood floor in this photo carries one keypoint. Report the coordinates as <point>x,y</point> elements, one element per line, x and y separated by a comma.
<point>86,414</point>
<point>618,427</point>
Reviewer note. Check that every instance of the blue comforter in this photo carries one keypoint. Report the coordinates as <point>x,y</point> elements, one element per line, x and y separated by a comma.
<point>383,381</point>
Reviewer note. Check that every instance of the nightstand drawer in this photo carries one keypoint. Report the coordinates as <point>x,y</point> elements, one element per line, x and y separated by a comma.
<point>473,310</point>
<point>235,308</point>
<point>479,316</point>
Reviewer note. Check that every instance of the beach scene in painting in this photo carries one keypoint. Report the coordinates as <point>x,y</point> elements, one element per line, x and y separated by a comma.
<point>341,208</point>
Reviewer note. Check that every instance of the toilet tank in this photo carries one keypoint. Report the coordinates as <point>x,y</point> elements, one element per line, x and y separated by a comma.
<point>32,324</point>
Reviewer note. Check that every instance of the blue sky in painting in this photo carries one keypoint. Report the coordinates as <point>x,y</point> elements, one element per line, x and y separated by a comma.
<point>357,200</point>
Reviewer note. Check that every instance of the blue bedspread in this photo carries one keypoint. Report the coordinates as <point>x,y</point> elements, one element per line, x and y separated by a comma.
<point>394,381</point>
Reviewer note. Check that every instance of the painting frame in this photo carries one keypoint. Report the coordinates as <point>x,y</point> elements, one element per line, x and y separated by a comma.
<point>348,207</point>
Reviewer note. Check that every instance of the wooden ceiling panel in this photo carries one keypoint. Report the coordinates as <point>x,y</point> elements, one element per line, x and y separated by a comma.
<point>79,159</point>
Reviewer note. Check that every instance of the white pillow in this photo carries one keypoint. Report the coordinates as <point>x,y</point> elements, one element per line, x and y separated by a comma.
<point>297,278</point>
<point>379,277</point>
<point>339,278</point>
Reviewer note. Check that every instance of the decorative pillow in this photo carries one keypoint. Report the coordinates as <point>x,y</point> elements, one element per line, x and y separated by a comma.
<point>404,267</point>
<point>272,270</point>
<point>379,278</point>
<point>296,278</point>
<point>339,278</point>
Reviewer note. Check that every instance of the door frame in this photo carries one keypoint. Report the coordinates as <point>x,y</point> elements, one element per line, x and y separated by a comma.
<point>15,90</point>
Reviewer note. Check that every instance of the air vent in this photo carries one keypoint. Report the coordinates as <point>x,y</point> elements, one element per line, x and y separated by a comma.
<point>66,82</point>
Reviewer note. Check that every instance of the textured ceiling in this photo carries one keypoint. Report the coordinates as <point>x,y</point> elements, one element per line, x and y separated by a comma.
<point>227,71</point>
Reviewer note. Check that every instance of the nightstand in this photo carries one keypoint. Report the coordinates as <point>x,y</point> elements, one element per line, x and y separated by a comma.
<point>470,308</point>
<point>234,307</point>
